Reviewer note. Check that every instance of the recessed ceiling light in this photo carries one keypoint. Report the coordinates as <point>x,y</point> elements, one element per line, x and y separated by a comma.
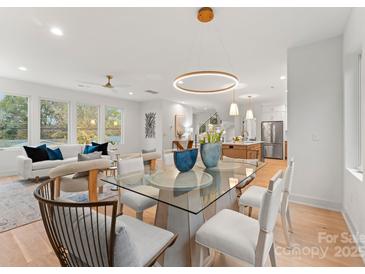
<point>130,93</point>
<point>282,77</point>
<point>249,95</point>
<point>22,68</point>
<point>286,90</point>
<point>56,31</point>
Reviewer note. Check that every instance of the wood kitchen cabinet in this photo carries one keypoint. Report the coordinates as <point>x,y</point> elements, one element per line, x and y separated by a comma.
<point>243,151</point>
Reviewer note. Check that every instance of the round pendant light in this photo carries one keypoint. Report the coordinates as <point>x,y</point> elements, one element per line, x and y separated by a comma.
<point>216,81</point>
<point>180,82</point>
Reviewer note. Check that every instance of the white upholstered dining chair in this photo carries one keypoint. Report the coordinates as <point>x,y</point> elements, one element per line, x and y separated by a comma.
<point>252,197</point>
<point>137,202</point>
<point>89,178</point>
<point>237,235</point>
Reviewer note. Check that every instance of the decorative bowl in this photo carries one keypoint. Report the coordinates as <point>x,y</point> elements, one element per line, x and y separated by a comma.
<point>185,159</point>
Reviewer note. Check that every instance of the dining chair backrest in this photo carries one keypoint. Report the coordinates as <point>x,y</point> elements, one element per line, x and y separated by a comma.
<point>288,176</point>
<point>271,203</point>
<point>288,179</point>
<point>83,166</point>
<point>130,165</point>
<point>81,234</point>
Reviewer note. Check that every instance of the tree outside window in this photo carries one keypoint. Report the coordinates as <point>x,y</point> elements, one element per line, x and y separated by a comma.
<point>113,125</point>
<point>87,123</point>
<point>13,120</point>
<point>54,122</point>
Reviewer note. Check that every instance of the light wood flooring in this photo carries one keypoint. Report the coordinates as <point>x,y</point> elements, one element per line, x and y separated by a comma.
<point>28,245</point>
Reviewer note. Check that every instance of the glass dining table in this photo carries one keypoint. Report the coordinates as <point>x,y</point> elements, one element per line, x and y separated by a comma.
<point>187,199</point>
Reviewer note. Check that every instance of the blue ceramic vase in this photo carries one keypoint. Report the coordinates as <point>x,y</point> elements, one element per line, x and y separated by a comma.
<point>185,159</point>
<point>210,154</point>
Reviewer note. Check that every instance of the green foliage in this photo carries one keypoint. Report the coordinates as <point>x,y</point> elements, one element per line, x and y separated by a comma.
<point>87,123</point>
<point>54,121</point>
<point>113,125</point>
<point>13,120</point>
<point>211,136</point>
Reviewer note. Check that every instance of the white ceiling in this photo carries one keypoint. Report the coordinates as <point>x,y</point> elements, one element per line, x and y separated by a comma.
<point>147,48</point>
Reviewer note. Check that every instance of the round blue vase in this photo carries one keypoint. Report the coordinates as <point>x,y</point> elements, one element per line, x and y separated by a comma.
<point>210,154</point>
<point>185,159</point>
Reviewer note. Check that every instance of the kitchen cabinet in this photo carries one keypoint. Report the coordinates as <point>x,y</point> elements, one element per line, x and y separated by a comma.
<point>243,150</point>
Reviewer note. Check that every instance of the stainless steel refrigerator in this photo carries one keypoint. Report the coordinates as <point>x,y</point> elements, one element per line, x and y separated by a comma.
<point>272,133</point>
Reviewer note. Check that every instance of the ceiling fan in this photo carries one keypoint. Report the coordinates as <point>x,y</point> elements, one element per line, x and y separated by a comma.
<point>108,84</point>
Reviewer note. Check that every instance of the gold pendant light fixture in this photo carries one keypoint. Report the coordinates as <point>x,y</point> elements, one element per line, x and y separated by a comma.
<point>184,81</point>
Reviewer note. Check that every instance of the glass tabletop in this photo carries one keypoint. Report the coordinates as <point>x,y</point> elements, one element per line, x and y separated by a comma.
<point>192,191</point>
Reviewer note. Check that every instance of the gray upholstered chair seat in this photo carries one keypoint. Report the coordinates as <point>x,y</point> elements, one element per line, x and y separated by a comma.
<point>79,184</point>
<point>253,196</point>
<point>147,239</point>
<point>139,202</point>
<point>228,238</point>
<point>136,242</point>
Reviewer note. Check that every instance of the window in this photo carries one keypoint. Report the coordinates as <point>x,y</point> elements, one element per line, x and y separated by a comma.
<point>113,125</point>
<point>87,123</point>
<point>13,120</point>
<point>54,122</point>
<point>358,93</point>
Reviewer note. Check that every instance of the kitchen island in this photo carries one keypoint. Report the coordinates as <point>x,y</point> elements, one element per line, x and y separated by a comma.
<point>243,150</point>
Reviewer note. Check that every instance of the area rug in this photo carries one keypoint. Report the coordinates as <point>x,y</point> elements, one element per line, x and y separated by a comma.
<point>18,206</point>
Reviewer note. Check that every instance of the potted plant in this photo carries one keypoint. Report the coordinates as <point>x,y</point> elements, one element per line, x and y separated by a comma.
<point>210,146</point>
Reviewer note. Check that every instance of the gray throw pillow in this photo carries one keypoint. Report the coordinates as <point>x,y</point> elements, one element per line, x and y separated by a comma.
<point>86,157</point>
<point>148,150</point>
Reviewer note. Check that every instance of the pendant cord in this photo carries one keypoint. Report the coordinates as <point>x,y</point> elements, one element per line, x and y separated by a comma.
<point>223,47</point>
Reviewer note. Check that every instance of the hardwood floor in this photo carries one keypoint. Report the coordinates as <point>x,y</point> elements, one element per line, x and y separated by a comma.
<point>28,245</point>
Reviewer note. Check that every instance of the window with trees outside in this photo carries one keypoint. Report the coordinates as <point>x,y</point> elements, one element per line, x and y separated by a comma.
<point>87,123</point>
<point>13,120</point>
<point>113,125</point>
<point>54,122</point>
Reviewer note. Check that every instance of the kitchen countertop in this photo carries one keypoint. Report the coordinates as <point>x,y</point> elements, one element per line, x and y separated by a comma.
<point>245,143</point>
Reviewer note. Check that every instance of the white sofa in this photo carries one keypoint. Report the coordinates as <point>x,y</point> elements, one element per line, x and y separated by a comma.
<point>29,170</point>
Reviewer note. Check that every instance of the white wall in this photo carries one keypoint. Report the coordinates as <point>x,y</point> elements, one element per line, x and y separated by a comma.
<point>165,122</point>
<point>315,122</point>
<point>151,143</point>
<point>35,92</point>
<point>170,110</point>
<point>354,187</point>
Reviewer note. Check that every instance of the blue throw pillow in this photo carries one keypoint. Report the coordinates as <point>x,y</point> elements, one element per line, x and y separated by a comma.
<point>54,154</point>
<point>90,149</point>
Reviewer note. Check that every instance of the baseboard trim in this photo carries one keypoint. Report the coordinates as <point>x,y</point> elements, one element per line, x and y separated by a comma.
<point>355,234</point>
<point>8,173</point>
<point>310,201</point>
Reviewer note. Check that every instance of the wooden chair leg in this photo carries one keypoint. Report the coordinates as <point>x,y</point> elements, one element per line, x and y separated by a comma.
<point>120,208</point>
<point>285,229</point>
<point>139,215</point>
<point>288,218</point>
<point>201,256</point>
<point>272,255</point>
<point>93,177</point>
<point>250,211</point>
<point>153,164</point>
